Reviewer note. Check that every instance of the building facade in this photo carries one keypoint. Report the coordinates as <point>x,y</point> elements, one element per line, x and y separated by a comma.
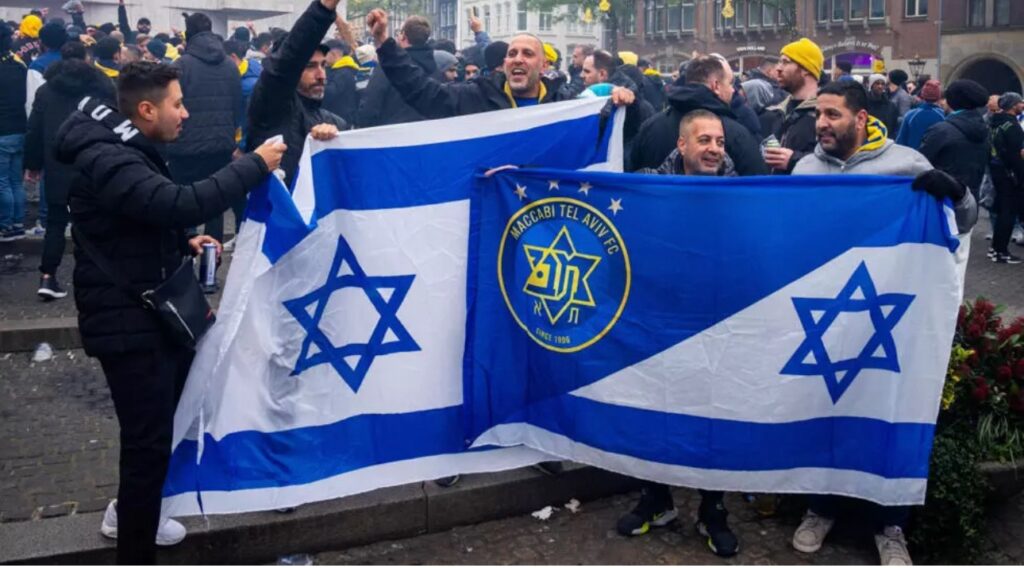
<point>984,40</point>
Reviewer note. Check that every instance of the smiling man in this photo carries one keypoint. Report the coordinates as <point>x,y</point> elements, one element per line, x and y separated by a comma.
<point>521,84</point>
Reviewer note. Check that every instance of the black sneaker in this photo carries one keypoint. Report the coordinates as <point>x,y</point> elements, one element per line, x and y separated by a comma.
<point>49,289</point>
<point>653,510</point>
<point>449,481</point>
<point>1006,258</point>
<point>12,234</point>
<point>720,538</point>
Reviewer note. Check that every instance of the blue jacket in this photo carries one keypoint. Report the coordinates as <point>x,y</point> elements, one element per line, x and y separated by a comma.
<point>249,78</point>
<point>916,122</point>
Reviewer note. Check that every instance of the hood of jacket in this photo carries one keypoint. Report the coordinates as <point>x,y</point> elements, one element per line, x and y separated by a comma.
<point>75,77</point>
<point>206,47</point>
<point>424,57</point>
<point>971,124</point>
<point>693,96</point>
<point>98,123</point>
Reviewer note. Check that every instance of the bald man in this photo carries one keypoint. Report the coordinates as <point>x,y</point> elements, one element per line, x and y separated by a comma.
<point>521,84</point>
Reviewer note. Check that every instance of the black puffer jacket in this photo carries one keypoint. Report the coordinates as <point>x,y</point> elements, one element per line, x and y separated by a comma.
<point>123,201</point>
<point>959,146</point>
<point>275,106</point>
<point>433,99</point>
<point>13,75</point>
<point>657,137</point>
<point>381,104</point>
<point>883,109</point>
<point>1007,139</point>
<point>212,89</point>
<point>67,83</point>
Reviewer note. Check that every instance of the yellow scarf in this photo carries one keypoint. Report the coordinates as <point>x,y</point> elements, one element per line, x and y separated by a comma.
<point>512,99</point>
<point>650,71</point>
<point>172,52</point>
<point>345,61</point>
<point>112,73</point>
<point>877,134</point>
<point>243,66</point>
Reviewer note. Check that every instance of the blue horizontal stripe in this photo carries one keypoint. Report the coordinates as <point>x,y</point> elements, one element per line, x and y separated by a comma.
<point>890,450</point>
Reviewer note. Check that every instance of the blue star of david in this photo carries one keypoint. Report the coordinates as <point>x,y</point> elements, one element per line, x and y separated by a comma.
<point>364,353</point>
<point>839,375</point>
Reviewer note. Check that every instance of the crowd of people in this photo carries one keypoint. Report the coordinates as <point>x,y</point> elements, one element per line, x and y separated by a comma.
<point>141,141</point>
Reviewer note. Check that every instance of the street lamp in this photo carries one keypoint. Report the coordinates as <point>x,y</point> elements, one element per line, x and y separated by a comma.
<point>916,66</point>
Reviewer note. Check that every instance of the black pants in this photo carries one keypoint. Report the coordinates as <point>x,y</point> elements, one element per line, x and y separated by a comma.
<point>145,387</point>
<point>198,168</point>
<point>53,242</point>
<point>1009,203</point>
<point>709,500</point>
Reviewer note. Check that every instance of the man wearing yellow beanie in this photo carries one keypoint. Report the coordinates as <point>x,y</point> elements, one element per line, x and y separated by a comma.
<point>28,46</point>
<point>30,26</point>
<point>791,122</point>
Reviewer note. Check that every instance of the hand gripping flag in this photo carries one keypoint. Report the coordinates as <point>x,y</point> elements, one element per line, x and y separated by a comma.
<point>335,366</point>
<point>753,334</point>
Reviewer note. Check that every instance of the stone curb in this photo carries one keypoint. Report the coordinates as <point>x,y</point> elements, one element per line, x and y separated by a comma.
<point>385,514</point>
<point>26,334</point>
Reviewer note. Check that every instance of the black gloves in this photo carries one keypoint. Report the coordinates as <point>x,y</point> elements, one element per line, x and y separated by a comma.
<point>940,185</point>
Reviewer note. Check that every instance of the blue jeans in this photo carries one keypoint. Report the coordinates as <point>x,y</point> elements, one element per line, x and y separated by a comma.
<point>12,192</point>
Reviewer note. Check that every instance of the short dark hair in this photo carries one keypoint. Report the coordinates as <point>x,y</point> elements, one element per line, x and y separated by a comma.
<point>416,30</point>
<point>697,114</point>
<point>106,48</point>
<point>855,96</point>
<point>604,61</point>
<point>445,45</point>
<point>73,50</point>
<point>107,28</point>
<point>242,34</point>
<point>143,81</point>
<point>236,48</point>
<point>144,21</point>
<point>845,66</point>
<point>586,48</point>
<point>704,68</point>
<point>163,36</point>
<point>262,40</point>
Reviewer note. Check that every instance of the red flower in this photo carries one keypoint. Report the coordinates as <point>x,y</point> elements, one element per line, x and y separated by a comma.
<point>1018,369</point>
<point>974,331</point>
<point>984,307</point>
<point>980,393</point>
<point>1004,373</point>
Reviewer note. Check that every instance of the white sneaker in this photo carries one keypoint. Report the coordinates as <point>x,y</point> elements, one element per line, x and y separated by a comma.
<point>230,245</point>
<point>811,533</point>
<point>171,532</point>
<point>892,547</point>
<point>1018,235</point>
<point>37,231</point>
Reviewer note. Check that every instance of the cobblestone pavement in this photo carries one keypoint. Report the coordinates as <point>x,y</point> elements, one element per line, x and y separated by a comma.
<point>589,537</point>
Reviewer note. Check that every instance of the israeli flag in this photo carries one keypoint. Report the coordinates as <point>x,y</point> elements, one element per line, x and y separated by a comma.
<point>774,334</point>
<point>335,366</point>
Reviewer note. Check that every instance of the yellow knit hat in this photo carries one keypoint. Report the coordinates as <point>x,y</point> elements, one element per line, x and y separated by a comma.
<point>549,53</point>
<point>806,54</point>
<point>628,57</point>
<point>30,26</point>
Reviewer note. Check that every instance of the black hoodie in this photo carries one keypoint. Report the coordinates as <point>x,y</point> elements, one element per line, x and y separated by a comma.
<point>123,201</point>
<point>1007,141</point>
<point>959,146</point>
<point>212,87</point>
<point>381,104</point>
<point>67,83</point>
<point>658,135</point>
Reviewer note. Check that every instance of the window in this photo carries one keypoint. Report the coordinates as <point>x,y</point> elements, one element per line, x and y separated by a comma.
<point>877,9</point>
<point>857,11</point>
<point>507,25</point>
<point>754,14</point>
<point>659,16</point>
<point>823,7</point>
<point>629,26</point>
<point>838,10</point>
<point>572,17</point>
<point>545,22</point>
<point>487,17</point>
<point>916,8</point>
<point>689,12</point>
<point>675,18</point>
<point>521,15</point>
<point>720,21</point>
<point>976,13</point>
<point>648,17</point>
<point>740,20</point>
<point>767,13</point>
<point>1002,13</point>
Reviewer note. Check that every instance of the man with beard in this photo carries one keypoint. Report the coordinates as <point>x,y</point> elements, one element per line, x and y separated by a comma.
<point>520,85</point>
<point>850,141</point>
<point>879,105</point>
<point>792,120</point>
<point>700,151</point>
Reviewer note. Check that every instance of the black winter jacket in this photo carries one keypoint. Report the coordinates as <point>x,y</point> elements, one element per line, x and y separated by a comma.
<point>792,123</point>
<point>883,109</point>
<point>13,75</point>
<point>433,99</point>
<point>275,106</point>
<point>212,89</point>
<point>658,135</point>
<point>381,104</point>
<point>123,201</point>
<point>67,83</point>
<point>959,146</point>
<point>340,95</point>
<point>654,91</point>
<point>1007,141</point>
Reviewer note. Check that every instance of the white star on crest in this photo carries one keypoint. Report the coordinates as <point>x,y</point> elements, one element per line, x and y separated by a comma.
<point>552,185</point>
<point>616,206</point>
<point>521,191</point>
<point>585,188</point>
